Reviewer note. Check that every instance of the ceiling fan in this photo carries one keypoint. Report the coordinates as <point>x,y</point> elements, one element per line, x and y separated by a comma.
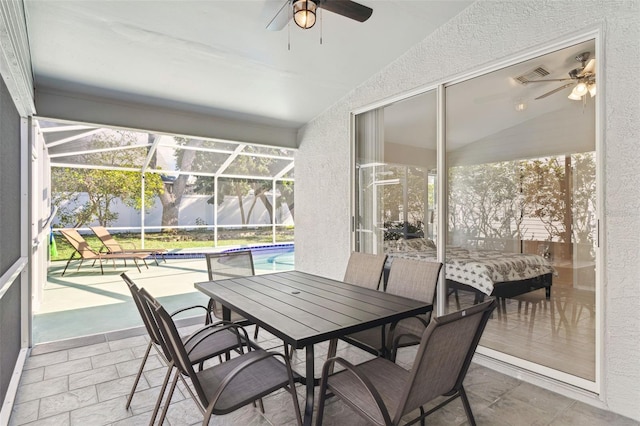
<point>583,79</point>
<point>303,12</point>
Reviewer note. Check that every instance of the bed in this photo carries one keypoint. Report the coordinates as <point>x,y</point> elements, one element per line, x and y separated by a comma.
<point>483,272</point>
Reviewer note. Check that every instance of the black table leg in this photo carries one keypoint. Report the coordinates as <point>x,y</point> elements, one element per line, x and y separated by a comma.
<point>310,382</point>
<point>226,316</point>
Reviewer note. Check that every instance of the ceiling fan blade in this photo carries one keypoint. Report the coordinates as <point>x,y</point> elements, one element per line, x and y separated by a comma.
<point>347,8</point>
<point>554,91</point>
<point>281,18</point>
<point>590,68</point>
<point>545,81</point>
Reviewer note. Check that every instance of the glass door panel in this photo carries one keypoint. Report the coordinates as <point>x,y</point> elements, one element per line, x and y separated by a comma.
<point>395,174</point>
<point>521,213</point>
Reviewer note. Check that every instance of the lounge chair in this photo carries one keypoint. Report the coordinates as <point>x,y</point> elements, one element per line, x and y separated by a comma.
<point>112,246</point>
<point>87,253</point>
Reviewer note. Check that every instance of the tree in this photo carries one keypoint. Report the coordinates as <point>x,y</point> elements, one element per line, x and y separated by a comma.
<point>171,197</point>
<point>239,187</point>
<point>491,200</point>
<point>413,181</point>
<point>545,189</point>
<point>102,186</point>
<point>190,162</point>
<point>485,200</point>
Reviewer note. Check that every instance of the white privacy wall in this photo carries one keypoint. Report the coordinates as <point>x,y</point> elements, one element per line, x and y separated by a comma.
<point>485,33</point>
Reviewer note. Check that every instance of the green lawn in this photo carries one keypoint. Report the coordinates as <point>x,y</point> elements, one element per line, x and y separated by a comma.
<point>177,240</point>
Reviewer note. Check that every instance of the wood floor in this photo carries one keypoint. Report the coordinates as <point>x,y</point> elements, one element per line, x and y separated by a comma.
<point>558,333</point>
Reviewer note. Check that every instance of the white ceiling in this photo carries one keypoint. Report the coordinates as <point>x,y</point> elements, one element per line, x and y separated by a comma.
<point>216,57</point>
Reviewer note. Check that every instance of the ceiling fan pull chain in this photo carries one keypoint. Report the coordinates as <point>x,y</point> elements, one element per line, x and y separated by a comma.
<point>321,26</point>
<point>289,31</point>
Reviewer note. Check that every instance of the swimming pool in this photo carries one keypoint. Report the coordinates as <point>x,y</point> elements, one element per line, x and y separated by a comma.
<point>271,258</point>
<point>278,257</point>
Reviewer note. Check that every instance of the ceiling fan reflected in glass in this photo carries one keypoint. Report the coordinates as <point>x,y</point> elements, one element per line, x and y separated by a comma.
<point>583,79</point>
<point>303,12</point>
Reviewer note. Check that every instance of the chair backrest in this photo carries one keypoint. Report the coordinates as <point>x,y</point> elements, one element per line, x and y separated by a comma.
<point>145,313</point>
<point>107,239</point>
<point>365,269</point>
<point>172,342</point>
<point>444,355</point>
<point>78,243</point>
<point>415,279</point>
<point>229,264</point>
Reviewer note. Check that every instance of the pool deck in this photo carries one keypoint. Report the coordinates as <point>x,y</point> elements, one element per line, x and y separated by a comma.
<point>85,302</point>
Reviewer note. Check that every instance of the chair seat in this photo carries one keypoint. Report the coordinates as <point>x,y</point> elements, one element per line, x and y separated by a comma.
<point>250,384</point>
<point>372,337</point>
<point>387,377</point>
<point>217,343</point>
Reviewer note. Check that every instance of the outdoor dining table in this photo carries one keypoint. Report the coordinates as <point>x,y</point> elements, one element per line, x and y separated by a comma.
<point>304,309</point>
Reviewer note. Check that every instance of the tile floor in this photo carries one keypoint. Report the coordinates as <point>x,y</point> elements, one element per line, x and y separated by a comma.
<point>85,382</point>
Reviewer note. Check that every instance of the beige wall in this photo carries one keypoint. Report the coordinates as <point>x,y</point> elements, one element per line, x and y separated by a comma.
<point>490,31</point>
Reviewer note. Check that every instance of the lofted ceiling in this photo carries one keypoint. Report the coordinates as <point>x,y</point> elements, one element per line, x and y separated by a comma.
<point>217,57</point>
<point>486,105</point>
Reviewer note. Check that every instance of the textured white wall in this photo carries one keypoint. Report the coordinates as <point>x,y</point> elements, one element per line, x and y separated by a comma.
<point>485,33</point>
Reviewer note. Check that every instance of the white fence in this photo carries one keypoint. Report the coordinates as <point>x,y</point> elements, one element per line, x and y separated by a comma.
<point>193,210</point>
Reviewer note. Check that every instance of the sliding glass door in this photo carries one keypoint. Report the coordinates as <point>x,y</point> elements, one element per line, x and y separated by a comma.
<point>521,201</point>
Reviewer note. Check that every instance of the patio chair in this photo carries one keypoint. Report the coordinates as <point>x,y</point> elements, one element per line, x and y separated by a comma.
<point>225,387</point>
<point>205,343</point>
<point>383,393</point>
<point>365,269</point>
<point>229,265</point>
<point>154,334</point>
<point>87,253</point>
<point>415,279</point>
<point>112,246</point>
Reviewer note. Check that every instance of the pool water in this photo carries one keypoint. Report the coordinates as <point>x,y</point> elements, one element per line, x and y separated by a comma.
<point>280,257</point>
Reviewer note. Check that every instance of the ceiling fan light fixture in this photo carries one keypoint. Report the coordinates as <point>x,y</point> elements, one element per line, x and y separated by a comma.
<point>581,89</point>
<point>304,13</point>
<point>573,96</point>
<point>592,89</point>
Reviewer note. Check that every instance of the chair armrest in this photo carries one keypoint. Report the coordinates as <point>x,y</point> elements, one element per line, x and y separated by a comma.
<point>364,381</point>
<point>396,343</point>
<point>203,329</point>
<point>392,330</point>
<point>133,246</point>
<point>208,319</point>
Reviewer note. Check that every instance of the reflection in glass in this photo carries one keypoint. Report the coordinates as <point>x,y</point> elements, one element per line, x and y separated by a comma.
<point>521,213</point>
<point>395,174</point>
